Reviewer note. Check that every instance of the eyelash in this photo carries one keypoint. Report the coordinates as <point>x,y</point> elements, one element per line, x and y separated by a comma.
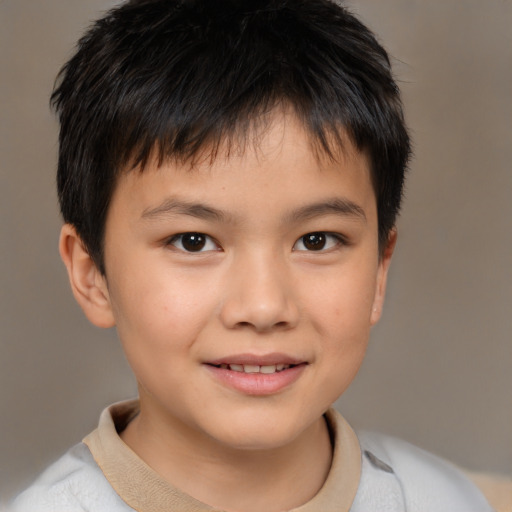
<point>206,243</point>
<point>199,237</point>
<point>336,240</point>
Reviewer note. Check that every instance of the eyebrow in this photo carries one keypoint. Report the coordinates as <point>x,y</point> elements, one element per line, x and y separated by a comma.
<point>334,206</point>
<point>173,206</point>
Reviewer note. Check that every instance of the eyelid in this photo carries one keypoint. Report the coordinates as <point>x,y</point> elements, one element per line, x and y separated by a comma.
<point>339,239</point>
<point>178,237</point>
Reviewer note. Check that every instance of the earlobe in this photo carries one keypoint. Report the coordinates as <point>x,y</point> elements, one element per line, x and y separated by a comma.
<point>382,275</point>
<point>88,284</point>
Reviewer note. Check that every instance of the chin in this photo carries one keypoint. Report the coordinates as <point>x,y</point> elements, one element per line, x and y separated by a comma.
<point>257,441</point>
<point>257,432</point>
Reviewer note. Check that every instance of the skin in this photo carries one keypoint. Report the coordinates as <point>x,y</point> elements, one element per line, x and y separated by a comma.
<point>255,289</point>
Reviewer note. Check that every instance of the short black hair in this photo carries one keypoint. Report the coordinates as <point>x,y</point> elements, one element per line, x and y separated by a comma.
<point>185,76</point>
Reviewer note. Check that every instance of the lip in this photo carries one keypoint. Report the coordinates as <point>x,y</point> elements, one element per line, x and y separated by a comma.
<point>255,359</point>
<point>257,384</point>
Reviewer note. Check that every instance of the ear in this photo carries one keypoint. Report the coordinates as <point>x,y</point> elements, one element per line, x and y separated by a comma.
<point>382,277</point>
<point>88,284</point>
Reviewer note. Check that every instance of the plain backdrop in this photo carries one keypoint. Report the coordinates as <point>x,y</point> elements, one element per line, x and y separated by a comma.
<point>438,370</point>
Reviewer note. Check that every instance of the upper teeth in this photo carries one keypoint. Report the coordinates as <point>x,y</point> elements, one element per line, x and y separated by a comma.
<point>254,368</point>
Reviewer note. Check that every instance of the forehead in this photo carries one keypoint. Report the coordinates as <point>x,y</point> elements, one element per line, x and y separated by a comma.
<point>261,134</point>
<point>279,163</point>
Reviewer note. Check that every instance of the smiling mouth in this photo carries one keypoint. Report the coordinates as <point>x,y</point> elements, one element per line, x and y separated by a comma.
<point>254,368</point>
<point>257,375</point>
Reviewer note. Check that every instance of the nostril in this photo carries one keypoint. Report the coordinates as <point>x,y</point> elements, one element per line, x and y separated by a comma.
<point>263,327</point>
<point>243,324</point>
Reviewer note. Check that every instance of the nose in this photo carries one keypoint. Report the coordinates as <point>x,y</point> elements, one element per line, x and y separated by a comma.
<point>260,295</point>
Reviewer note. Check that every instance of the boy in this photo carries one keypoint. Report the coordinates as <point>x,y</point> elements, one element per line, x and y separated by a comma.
<point>229,175</point>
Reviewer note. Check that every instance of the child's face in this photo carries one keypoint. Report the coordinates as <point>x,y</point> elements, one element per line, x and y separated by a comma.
<point>280,266</point>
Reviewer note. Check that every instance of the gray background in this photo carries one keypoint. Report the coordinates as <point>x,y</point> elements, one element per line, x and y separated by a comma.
<point>438,368</point>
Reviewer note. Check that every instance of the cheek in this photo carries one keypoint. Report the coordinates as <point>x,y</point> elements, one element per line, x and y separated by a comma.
<point>160,314</point>
<point>340,311</point>
<point>342,301</point>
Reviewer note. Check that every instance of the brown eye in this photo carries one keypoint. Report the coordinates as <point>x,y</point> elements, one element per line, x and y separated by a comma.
<point>314,241</point>
<point>319,241</point>
<point>193,242</point>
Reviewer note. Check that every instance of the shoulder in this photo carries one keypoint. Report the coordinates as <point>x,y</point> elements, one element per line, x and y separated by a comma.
<point>424,481</point>
<point>74,483</point>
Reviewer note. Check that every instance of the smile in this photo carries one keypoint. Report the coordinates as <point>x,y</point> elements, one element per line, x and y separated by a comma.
<point>257,375</point>
<point>254,368</point>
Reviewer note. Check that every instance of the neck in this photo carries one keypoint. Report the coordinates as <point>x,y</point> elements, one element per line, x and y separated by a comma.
<point>231,479</point>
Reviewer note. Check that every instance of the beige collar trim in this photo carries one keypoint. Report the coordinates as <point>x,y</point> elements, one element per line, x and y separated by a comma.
<point>145,491</point>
